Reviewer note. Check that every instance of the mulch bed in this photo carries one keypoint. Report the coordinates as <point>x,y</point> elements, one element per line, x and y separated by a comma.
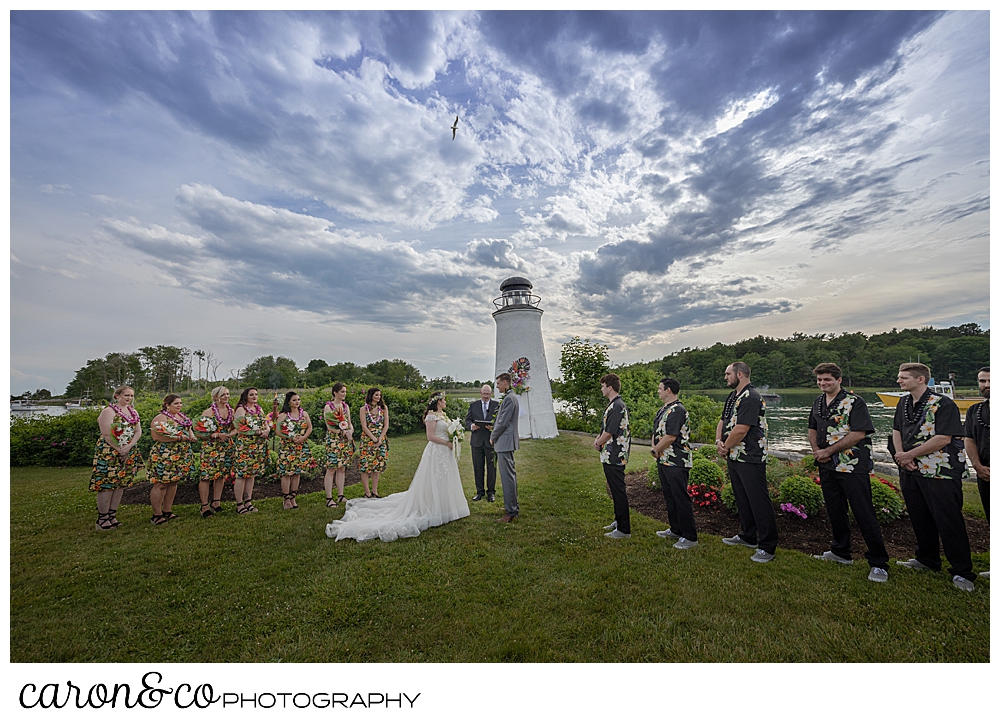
<point>187,494</point>
<point>812,536</point>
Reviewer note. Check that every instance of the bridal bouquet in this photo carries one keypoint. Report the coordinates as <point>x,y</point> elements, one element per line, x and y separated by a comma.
<point>456,433</point>
<point>205,427</point>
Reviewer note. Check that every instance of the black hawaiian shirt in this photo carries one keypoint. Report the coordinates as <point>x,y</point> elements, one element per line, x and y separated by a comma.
<point>615,450</point>
<point>747,408</point>
<point>833,422</point>
<point>672,421</point>
<point>933,414</point>
<point>977,428</point>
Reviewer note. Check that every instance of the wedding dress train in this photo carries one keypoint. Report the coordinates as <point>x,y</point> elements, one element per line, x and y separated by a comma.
<point>434,498</point>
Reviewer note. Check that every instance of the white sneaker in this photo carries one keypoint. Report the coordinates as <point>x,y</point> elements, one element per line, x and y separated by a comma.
<point>985,574</point>
<point>761,556</point>
<point>736,540</point>
<point>878,574</point>
<point>962,584</point>
<point>685,544</point>
<point>831,556</point>
<point>668,533</point>
<point>913,563</point>
<point>617,535</point>
<point>612,526</point>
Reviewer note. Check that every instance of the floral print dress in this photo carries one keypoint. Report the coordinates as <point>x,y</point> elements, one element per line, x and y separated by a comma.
<point>111,470</point>
<point>293,458</point>
<point>170,462</point>
<point>250,452</point>
<point>339,447</point>
<point>216,454</point>
<point>374,457</point>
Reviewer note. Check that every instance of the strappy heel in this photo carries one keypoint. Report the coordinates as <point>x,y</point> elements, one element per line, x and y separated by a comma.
<point>295,505</point>
<point>114,520</point>
<point>104,522</point>
<point>216,510</point>
<point>206,511</point>
<point>158,519</point>
<point>287,504</point>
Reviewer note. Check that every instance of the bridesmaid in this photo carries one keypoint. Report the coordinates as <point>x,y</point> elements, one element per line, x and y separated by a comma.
<point>170,458</point>
<point>250,457</point>
<point>339,443</point>
<point>217,429</point>
<point>374,446</point>
<point>116,458</point>
<point>294,428</point>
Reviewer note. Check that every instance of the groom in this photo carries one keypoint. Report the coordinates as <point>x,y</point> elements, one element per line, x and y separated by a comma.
<point>505,440</point>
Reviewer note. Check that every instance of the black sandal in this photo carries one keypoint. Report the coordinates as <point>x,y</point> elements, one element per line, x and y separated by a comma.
<point>114,520</point>
<point>104,522</point>
<point>368,496</point>
<point>341,499</point>
<point>294,505</point>
<point>375,496</point>
<point>287,498</point>
<point>330,502</point>
<point>168,515</point>
<point>216,510</point>
<point>242,508</point>
<point>206,511</point>
<point>158,519</point>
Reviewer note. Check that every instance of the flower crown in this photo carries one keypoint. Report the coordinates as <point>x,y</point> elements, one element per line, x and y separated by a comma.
<point>436,397</point>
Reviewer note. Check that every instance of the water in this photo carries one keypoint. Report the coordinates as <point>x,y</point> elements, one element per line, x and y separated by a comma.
<point>788,420</point>
<point>47,411</point>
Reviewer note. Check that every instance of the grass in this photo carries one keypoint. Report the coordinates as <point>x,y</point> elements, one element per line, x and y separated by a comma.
<point>271,587</point>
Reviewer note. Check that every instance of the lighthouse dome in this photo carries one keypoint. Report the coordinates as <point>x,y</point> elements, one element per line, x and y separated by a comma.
<point>515,283</point>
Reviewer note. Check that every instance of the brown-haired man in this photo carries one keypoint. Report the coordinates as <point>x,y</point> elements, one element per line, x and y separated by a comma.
<point>614,444</point>
<point>930,474</point>
<point>505,440</point>
<point>977,441</point>
<point>741,437</point>
<point>840,430</point>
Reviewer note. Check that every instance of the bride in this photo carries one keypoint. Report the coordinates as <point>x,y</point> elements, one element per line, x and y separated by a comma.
<point>435,495</point>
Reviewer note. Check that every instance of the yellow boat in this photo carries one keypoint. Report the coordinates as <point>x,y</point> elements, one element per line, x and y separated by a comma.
<point>891,399</point>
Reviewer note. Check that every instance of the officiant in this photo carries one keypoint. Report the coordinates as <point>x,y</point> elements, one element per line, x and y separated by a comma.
<point>484,460</point>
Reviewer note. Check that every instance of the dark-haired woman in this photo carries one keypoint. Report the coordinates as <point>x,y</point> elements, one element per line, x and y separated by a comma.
<point>216,429</point>
<point>294,456</point>
<point>339,443</point>
<point>116,458</point>
<point>250,455</point>
<point>374,446</point>
<point>170,458</point>
<point>435,495</point>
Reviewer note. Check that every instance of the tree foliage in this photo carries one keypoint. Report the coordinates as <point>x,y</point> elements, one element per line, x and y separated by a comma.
<point>582,363</point>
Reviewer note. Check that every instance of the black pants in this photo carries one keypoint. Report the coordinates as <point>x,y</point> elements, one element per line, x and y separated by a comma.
<point>484,464</point>
<point>935,508</point>
<point>984,495</point>
<point>841,489</point>
<point>758,523</point>
<point>615,475</point>
<point>674,482</point>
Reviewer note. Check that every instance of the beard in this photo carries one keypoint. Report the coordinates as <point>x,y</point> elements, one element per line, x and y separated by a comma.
<point>733,385</point>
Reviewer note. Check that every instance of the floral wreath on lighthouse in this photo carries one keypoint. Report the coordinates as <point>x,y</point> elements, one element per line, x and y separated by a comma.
<point>519,375</point>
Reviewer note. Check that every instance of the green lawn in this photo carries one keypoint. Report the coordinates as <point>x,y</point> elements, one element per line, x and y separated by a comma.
<point>271,587</point>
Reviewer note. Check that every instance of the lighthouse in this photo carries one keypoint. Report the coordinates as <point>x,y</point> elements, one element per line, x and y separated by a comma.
<point>521,352</point>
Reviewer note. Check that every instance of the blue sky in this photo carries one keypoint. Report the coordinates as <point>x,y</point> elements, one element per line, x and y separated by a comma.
<point>286,183</point>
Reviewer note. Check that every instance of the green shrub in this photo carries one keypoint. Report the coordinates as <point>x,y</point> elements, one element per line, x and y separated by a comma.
<point>887,501</point>
<point>809,463</point>
<point>573,423</point>
<point>802,492</point>
<point>703,416</point>
<point>728,497</point>
<point>777,472</point>
<point>653,475</point>
<point>706,473</point>
<point>706,451</point>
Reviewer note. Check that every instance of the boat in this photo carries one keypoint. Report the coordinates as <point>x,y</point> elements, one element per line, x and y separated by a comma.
<point>82,403</point>
<point>891,399</point>
<point>768,396</point>
<point>23,405</point>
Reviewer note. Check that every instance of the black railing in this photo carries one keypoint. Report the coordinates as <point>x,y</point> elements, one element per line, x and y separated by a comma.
<point>517,299</point>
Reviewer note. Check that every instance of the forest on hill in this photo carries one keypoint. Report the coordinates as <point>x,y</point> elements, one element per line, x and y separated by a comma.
<point>867,361</point>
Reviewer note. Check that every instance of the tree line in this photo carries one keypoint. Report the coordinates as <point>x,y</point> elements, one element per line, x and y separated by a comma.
<point>867,361</point>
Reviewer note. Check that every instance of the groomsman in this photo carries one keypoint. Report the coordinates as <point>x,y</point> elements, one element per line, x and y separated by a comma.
<point>614,444</point>
<point>505,440</point>
<point>930,475</point>
<point>840,430</point>
<point>484,461</point>
<point>672,450</point>
<point>977,441</point>
<point>741,437</point>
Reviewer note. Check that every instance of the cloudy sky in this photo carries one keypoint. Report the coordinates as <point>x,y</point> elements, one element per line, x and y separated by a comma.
<point>286,183</point>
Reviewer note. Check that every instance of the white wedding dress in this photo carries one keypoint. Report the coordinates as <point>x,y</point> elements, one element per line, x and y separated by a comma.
<point>435,497</point>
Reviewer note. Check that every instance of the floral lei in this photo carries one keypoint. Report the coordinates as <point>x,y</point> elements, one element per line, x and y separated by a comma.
<point>229,412</point>
<point>295,419</point>
<point>124,414</point>
<point>184,421</point>
<point>256,410</point>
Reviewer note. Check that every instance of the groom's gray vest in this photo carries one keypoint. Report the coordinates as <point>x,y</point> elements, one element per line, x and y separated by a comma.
<point>504,435</point>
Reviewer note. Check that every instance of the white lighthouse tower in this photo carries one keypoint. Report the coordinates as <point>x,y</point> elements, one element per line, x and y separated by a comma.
<point>519,340</point>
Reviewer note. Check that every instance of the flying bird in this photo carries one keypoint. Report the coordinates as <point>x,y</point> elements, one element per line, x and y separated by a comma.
<point>454,128</point>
